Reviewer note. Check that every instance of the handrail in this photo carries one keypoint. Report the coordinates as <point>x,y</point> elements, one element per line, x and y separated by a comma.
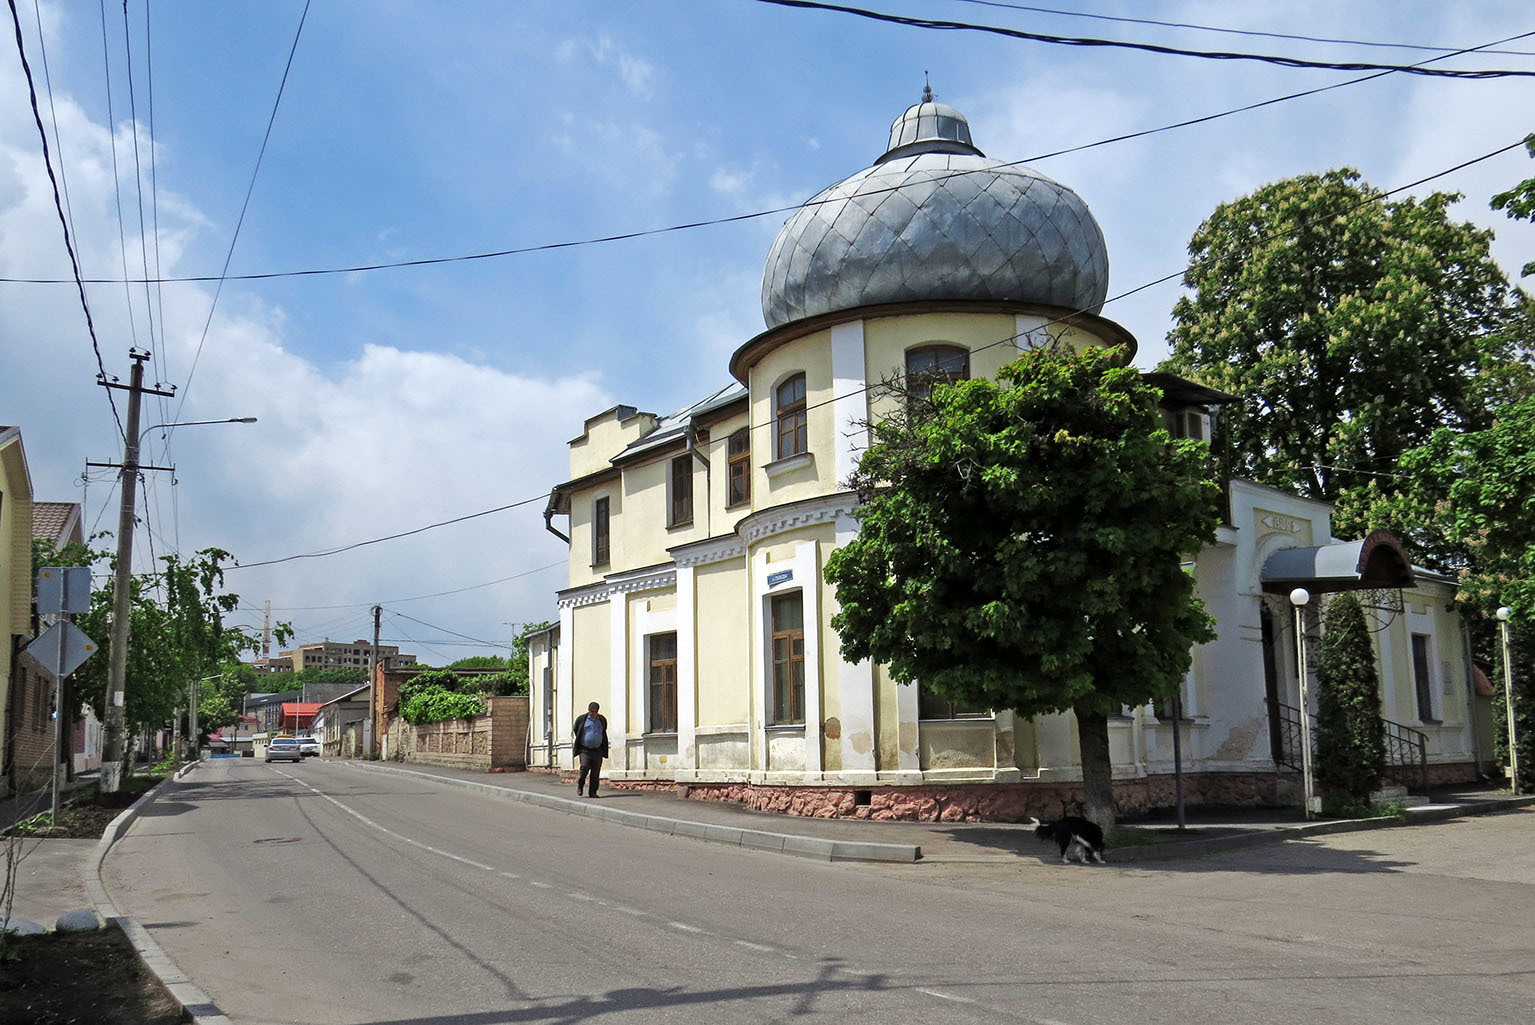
<point>1406,748</point>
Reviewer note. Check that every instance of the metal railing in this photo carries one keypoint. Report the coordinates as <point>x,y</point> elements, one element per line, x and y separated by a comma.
<point>1406,748</point>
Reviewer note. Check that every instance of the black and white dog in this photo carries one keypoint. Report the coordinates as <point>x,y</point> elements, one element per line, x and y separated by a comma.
<point>1072,831</point>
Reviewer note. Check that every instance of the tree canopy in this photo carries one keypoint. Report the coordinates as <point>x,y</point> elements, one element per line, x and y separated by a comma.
<point>1021,542</point>
<point>1350,326</point>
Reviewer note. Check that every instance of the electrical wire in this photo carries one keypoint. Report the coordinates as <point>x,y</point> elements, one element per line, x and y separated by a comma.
<point>1009,339</point>
<point>117,187</point>
<point>249,189</point>
<point>418,597</point>
<point>1230,31</point>
<point>455,633</point>
<point>1037,37</point>
<point>737,218</point>
<point>390,537</point>
<point>58,205</point>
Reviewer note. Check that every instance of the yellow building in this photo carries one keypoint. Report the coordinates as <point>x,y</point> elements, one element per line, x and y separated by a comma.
<point>696,613</point>
<point>15,585</point>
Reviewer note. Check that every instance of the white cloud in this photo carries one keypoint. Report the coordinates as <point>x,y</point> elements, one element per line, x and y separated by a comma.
<point>383,442</point>
<point>635,72</point>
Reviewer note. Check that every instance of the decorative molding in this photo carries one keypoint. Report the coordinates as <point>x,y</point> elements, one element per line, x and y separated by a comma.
<point>644,580</point>
<point>590,594</point>
<point>703,553</point>
<point>769,522</point>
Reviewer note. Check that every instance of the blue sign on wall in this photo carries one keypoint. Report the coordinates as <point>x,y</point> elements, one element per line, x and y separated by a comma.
<point>774,579</point>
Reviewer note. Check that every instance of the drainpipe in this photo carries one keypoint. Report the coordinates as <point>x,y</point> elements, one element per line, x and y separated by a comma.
<point>548,516</point>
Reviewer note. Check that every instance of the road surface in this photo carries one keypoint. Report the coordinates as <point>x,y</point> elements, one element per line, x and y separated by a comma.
<point>326,893</point>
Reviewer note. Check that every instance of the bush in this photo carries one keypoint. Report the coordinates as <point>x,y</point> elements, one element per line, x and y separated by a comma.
<point>436,705</point>
<point>1350,737</point>
<point>431,679</point>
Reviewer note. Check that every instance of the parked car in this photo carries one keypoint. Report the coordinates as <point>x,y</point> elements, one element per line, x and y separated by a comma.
<point>280,749</point>
<point>308,746</point>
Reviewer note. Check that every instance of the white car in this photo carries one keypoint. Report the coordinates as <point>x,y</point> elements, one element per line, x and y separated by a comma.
<point>283,749</point>
<point>308,746</point>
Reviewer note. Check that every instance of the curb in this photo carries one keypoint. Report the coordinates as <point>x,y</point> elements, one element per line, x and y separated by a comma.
<point>732,836</point>
<point>195,1003</point>
<point>1423,815</point>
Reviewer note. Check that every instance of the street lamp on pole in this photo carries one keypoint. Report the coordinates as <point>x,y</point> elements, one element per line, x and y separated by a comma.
<point>1508,697</point>
<point>117,668</point>
<point>1299,598</point>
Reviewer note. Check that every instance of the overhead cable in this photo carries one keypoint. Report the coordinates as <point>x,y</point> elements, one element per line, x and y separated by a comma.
<point>736,218</point>
<point>1009,339</point>
<point>1038,37</point>
<point>1231,31</point>
<point>58,205</point>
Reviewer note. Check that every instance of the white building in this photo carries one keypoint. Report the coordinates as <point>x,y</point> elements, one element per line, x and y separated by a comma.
<point>696,613</point>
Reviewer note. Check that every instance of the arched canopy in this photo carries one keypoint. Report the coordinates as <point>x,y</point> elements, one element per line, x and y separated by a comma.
<point>1379,561</point>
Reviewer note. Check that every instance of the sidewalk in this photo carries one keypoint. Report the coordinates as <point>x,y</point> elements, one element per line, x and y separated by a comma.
<point>1209,830</point>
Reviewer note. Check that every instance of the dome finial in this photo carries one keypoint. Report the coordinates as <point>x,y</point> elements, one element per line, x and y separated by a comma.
<point>927,89</point>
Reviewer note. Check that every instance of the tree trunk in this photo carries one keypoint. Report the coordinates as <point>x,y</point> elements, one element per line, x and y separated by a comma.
<point>1097,768</point>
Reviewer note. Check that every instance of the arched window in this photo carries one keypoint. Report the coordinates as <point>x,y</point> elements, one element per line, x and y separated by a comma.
<point>935,364</point>
<point>792,434</point>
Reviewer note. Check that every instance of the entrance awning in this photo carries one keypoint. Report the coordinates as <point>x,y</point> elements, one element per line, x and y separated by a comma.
<point>1377,562</point>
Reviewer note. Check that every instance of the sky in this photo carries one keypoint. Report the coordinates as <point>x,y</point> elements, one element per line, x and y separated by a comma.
<point>392,399</point>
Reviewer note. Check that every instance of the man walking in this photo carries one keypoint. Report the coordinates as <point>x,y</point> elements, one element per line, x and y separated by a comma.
<point>591,747</point>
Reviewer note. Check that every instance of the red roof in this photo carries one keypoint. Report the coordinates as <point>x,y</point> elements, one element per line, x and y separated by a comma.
<point>300,709</point>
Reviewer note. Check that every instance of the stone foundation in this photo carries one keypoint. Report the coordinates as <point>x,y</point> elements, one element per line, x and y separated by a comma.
<point>991,802</point>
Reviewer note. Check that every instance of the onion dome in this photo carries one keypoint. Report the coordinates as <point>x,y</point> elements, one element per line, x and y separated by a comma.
<point>935,219</point>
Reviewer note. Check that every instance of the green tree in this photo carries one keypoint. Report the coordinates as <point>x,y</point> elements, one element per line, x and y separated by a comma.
<point>1350,736</point>
<point>1020,547</point>
<point>1519,201</point>
<point>1350,327</point>
<point>1470,505</point>
<point>481,662</point>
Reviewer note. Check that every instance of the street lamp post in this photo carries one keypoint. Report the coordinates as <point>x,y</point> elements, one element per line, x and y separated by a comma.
<point>1299,598</point>
<point>1508,698</point>
<point>117,669</point>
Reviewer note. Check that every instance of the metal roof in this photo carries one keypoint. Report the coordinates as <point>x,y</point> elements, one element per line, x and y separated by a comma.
<point>1379,561</point>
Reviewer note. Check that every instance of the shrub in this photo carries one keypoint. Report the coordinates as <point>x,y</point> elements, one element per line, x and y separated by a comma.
<point>1350,737</point>
<point>431,679</point>
<point>435,705</point>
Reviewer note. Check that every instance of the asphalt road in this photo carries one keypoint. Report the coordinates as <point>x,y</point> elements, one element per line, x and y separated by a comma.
<point>320,893</point>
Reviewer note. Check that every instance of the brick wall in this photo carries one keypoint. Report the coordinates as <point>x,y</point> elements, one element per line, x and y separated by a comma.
<point>486,743</point>
<point>31,747</point>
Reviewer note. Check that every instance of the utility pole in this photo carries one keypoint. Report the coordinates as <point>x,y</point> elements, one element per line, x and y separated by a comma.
<point>112,744</point>
<point>266,630</point>
<point>369,738</point>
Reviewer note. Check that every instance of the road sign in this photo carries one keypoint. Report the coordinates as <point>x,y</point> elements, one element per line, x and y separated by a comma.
<point>63,589</point>
<point>61,648</point>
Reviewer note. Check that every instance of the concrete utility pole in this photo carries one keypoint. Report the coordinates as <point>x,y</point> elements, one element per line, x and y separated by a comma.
<point>368,731</point>
<point>112,743</point>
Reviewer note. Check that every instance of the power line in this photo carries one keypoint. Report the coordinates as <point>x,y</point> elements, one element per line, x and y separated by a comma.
<point>1037,37</point>
<point>417,597</point>
<point>737,218</point>
<point>1013,338</point>
<point>455,633</point>
<point>117,181</point>
<point>58,205</point>
<point>1231,31</point>
<point>249,189</point>
<point>390,537</point>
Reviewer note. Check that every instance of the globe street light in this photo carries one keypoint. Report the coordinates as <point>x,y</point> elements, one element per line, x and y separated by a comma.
<point>1300,597</point>
<point>1508,698</point>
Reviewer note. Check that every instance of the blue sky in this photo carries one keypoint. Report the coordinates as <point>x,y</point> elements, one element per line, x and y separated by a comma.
<point>397,398</point>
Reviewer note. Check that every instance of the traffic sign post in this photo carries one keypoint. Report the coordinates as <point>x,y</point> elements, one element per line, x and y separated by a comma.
<point>60,649</point>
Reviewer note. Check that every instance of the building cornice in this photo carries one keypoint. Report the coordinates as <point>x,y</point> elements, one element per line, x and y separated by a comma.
<point>756,348</point>
<point>812,511</point>
<point>708,551</point>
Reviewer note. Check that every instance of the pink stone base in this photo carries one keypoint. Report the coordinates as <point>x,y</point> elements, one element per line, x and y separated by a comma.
<point>1006,802</point>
